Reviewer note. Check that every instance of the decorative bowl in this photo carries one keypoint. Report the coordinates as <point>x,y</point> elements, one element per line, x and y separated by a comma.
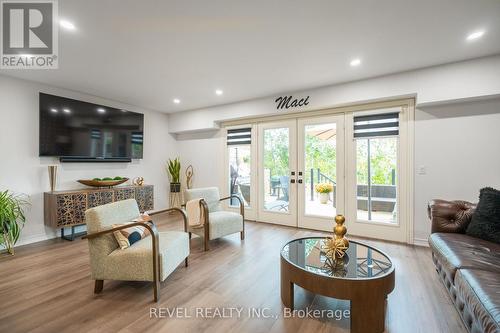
<point>102,183</point>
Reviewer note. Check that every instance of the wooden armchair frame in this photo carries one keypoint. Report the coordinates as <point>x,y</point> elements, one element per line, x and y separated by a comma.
<point>148,224</point>
<point>206,224</point>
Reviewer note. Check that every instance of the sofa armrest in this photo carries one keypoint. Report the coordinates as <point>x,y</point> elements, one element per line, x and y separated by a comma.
<point>450,216</point>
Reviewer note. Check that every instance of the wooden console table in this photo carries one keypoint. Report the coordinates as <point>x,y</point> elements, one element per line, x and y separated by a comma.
<point>67,208</point>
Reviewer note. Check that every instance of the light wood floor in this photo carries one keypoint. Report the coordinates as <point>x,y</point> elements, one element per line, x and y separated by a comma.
<point>46,287</point>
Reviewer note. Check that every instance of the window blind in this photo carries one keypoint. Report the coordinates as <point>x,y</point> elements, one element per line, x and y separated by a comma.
<point>137,137</point>
<point>239,136</point>
<point>386,124</point>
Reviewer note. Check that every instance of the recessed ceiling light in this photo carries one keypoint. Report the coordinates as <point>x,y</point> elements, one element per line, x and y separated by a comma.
<point>355,62</point>
<point>67,25</point>
<point>67,110</point>
<point>101,110</point>
<point>176,101</point>
<point>53,110</point>
<point>475,35</point>
<point>218,92</point>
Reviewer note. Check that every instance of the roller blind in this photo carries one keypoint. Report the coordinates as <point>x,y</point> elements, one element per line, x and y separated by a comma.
<point>239,136</point>
<point>386,124</point>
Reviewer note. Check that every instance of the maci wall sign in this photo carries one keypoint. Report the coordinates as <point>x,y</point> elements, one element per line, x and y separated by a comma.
<point>287,102</point>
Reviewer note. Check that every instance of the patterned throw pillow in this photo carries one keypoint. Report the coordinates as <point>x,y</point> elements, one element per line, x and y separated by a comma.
<point>128,236</point>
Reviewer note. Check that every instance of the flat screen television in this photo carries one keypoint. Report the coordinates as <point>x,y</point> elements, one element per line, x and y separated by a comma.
<point>79,131</point>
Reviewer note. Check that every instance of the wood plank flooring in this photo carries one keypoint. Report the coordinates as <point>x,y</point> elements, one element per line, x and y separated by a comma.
<point>46,287</point>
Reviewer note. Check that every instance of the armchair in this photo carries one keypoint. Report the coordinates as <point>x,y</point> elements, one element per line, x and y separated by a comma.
<point>218,223</point>
<point>150,259</point>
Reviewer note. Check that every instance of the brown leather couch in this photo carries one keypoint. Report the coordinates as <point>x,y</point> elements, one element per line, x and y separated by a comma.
<point>469,267</point>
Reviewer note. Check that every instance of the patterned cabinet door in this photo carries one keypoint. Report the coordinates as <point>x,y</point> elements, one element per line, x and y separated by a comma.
<point>99,198</point>
<point>124,193</point>
<point>71,209</point>
<point>145,197</point>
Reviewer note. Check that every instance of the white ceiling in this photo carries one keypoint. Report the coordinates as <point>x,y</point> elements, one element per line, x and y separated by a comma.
<point>147,53</point>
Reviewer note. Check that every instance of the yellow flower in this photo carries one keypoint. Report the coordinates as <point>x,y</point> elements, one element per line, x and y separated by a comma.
<point>324,187</point>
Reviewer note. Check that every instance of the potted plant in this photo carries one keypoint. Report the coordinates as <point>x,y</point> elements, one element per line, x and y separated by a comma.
<point>324,190</point>
<point>12,219</point>
<point>174,174</point>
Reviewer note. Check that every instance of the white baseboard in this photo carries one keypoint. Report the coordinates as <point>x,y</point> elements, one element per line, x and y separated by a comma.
<point>36,238</point>
<point>420,242</point>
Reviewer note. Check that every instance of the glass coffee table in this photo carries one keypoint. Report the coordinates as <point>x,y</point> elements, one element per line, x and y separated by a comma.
<point>365,276</point>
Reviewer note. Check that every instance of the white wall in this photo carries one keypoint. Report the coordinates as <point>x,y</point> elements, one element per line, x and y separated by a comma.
<point>21,170</point>
<point>461,80</point>
<point>204,151</point>
<point>458,146</point>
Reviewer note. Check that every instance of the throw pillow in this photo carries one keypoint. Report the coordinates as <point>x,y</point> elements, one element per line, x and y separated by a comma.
<point>485,222</point>
<point>128,236</point>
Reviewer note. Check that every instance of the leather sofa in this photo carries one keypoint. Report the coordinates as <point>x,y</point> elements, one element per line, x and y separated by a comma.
<point>469,267</point>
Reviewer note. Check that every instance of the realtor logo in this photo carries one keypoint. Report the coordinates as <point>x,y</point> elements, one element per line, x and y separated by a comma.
<point>29,34</point>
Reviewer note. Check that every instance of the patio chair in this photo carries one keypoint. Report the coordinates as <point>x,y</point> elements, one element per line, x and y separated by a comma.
<point>284,187</point>
<point>218,223</point>
<point>152,258</point>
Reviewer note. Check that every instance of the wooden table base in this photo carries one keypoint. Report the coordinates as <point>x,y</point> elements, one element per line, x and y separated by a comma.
<point>368,296</point>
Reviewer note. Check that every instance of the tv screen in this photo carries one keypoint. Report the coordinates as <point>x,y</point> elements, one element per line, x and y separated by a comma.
<point>76,129</point>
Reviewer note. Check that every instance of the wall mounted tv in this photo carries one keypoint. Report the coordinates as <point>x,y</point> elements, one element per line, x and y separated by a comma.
<point>77,131</point>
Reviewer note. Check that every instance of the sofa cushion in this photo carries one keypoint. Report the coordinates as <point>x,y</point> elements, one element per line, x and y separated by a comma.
<point>454,251</point>
<point>485,223</point>
<point>135,263</point>
<point>480,292</point>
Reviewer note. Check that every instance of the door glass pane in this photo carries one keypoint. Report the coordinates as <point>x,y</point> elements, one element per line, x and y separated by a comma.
<point>376,171</point>
<point>276,169</point>
<point>239,173</point>
<point>320,174</point>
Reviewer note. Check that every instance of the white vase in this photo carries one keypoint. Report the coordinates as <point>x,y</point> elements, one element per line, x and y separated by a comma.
<point>324,197</point>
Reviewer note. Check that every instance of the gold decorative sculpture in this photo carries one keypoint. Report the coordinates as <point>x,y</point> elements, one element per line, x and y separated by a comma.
<point>189,176</point>
<point>337,246</point>
<point>138,181</point>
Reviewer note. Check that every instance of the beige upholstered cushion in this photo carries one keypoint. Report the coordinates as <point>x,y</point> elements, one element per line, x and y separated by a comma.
<point>210,194</point>
<point>136,262</point>
<point>222,223</point>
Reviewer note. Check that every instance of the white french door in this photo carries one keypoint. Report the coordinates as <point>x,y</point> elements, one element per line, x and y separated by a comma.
<point>277,172</point>
<point>320,165</point>
<point>296,158</point>
<point>303,171</point>
<point>378,173</point>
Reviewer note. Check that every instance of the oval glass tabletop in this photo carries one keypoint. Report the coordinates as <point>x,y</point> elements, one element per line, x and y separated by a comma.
<point>359,262</point>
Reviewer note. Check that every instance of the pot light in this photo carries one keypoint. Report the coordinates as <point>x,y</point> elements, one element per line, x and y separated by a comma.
<point>67,110</point>
<point>101,110</point>
<point>53,110</point>
<point>67,25</point>
<point>218,92</point>
<point>475,35</point>
<point>176,101</point>
<point>355,62</point>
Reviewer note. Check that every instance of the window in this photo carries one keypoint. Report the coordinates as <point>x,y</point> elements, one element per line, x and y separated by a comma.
<point>377,166</point>
<point>239,142</point>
